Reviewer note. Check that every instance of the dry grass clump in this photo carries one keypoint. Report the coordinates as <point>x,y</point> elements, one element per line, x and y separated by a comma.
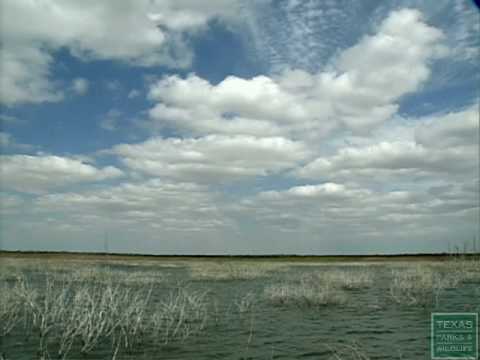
<point>303,294</point>
<point>80,272</point>
<point>62,314</point>
<point>33,265</point>
<point>321,287</point>
<point>9,273</point>
<point>245,302</point>
<point>349,279</point>
<point>105,275</point>
<point>419,284</point>
<point>10,309</point>
<point>463,270</point>
<point>90,274</point>
<point>65,315</point>
<point>342,279</point>
<point>182,314</point>
<point>231,270</point>
<point>143,277</point>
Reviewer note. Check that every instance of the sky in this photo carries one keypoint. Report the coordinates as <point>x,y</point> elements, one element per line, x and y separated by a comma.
<point>239,126</point>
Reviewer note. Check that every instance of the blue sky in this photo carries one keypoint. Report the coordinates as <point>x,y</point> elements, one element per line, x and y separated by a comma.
<point>239,126</point>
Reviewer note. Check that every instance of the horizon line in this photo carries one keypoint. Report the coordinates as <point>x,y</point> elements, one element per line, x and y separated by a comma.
<point>264,255</point>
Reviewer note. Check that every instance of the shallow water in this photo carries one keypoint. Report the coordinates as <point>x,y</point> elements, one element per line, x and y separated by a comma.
<point>381,328</point>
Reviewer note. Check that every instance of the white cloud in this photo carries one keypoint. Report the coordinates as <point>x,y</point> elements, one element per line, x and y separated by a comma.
<point>298,34</point>
<point>40,173</point>
<point>10,204</point>
<point>463,38</point>
<point>399,54</point>
<point>25,75</point>
<point>328,191</point>
<point>113,85</point>
<point>125,30</point>
<point>110,121</point>
<point>449,130</point>
<point>334,211</point>
<point>80,86</point>
<point>357,93</point>
<point>134,93</point>
<point>142,32</point>
<point>406,159</point>
<point>308,35</point>
<point>234,106</point>
<point>212,159</point>
<point>436,148</point>
<point>140,206</point>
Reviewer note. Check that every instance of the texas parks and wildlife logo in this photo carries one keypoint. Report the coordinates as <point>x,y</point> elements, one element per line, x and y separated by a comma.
<point>454,336</point>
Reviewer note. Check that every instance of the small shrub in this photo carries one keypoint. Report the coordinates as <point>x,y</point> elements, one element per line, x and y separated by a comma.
<point>462,270</point>
<point>304,295</point>
<point>342,279</point>
<point>420,285</point>
<point>182,314</point>
<point>231,271</point>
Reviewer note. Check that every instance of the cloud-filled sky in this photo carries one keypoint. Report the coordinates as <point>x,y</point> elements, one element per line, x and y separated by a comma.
<point>239,126</point>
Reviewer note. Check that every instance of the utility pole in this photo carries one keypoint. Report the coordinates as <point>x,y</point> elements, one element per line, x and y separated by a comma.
<point>105,243</point>
<point>106,249</point>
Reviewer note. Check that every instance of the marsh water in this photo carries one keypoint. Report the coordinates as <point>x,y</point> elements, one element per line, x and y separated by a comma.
<point>369,320</point>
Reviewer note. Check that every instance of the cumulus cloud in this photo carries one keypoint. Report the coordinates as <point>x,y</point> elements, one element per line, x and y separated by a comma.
<point>360,216</point>
<point>399,53</point>
<point>153,204</point>
<point>80,86</point>
<point>401,158</point>
<point>40,173</point>
<point>449,130</point>
<point>214,158</point>
<point>234,106</point>
<point>144,33</point>
<point>26,75</point>
<point>356,94</point>
<point>438,147</point>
